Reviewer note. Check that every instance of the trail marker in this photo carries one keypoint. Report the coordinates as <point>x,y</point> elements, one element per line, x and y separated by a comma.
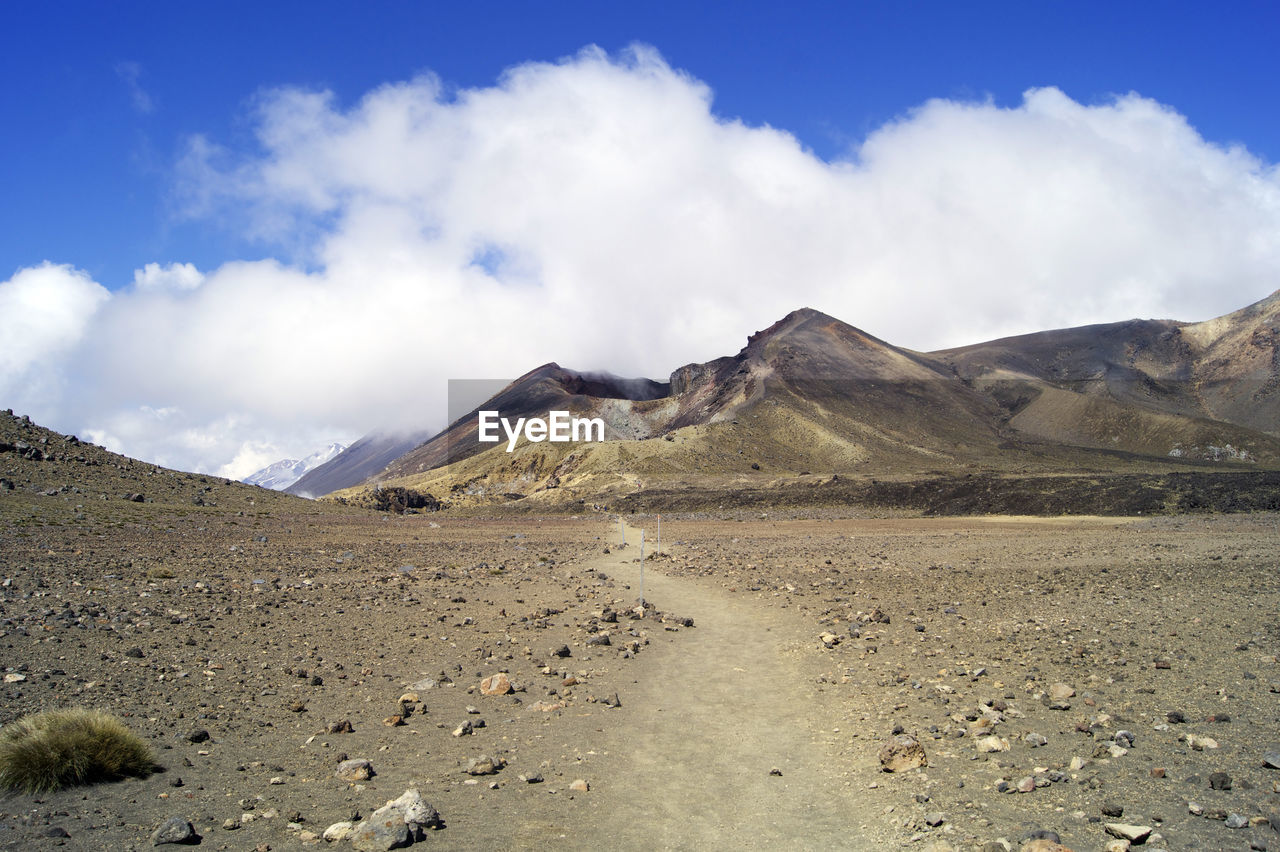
<point>641,567</point>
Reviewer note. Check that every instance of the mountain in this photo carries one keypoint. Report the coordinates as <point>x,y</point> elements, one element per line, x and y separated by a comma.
<point>811,398</point>
<point>363,459</point>
<point>1153,387</point>
<point>62,473</point>
<point>280,475</point>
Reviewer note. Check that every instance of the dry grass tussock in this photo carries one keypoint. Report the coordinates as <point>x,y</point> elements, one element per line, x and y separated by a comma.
<point>64,748</point>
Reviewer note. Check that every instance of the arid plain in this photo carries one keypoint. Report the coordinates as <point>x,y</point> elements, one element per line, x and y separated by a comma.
<point>1067,679</point>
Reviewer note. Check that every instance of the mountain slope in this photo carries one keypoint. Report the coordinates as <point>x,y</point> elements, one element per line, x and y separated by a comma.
<point>365,458</point>
<point>280,475</point>
<point>812,396</point>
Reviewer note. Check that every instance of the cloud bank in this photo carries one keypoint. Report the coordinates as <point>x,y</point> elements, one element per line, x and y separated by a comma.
<point>599,213</point>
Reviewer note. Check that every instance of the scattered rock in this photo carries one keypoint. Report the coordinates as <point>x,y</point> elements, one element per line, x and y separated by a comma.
<point>498,684</point>
<point>1125,831</point>
<point>338,831</point>
<point>177,830</point>
<point>484,765</point>
<point>355,769</point>
<point>901,753</point>
<point>991,744</point>
<point>1061,692</point>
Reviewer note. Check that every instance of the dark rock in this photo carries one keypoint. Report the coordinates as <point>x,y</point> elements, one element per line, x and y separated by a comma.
<point>175,830</point>
<point>1219,781</point>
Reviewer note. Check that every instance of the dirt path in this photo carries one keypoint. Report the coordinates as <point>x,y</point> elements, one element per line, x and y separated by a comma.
<point>735,698</point>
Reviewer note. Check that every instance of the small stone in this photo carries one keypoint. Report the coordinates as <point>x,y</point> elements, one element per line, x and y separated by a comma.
<point>1112,809</point>
<point>1116,845</point>
<point>498,684</point>
<point>1043,844</point>
<point>578,785</point>
<point>1035,740</point>
<point>776,771</point>
<point>418,814</point>
<point>464,729</point>
<point>1132,833</point>
<point>991,744</point>
<point>1195,809</point>
<point>1027,784</point>
<point>198,735</point>
<point>483,765</point>
<point>1158,772</point>
<point>343,727</point>
<point>1061,692</point>
<point>934,819</point>
<point>14,677</point>
<point>338,831</point>
<point>1237,821</point>
<point>175,830</point>
<point>384,829</point>
<point>901,753</point>
<point>393,721</point>
<point>1125,739</point>
<point>1198,743</point>
<point>1219,781</point>
<point>1271,760</point>
<point>562,651</point>
<point>356,769</point>
<point>535,778</point>
<point>231,824</point>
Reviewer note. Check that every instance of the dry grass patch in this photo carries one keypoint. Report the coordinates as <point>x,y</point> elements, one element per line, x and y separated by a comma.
<point>64,748</point>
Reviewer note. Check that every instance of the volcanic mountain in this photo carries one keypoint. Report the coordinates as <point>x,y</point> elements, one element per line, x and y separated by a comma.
<point>812,397</point>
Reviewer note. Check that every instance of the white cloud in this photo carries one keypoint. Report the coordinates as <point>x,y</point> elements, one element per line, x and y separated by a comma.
<point>129,73</point>
<point>597,212</point>
<point>175,276</point>
<point>44,311</point>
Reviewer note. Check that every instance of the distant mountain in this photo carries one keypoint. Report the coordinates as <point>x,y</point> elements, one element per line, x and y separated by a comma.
<point>362,460</point>
<point>811,397</point>
<point>286,472</point>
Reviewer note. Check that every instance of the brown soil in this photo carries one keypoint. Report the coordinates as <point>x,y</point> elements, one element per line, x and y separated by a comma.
<point>1008,608</point>
<point>264,621</point>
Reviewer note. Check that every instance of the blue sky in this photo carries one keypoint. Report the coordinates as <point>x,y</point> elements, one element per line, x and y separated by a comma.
<point>233,232</point>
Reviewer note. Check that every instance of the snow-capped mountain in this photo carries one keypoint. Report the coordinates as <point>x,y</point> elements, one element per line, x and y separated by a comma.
<point>282,474</point>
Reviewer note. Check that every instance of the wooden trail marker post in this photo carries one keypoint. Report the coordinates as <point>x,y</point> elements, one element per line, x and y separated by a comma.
<point>641,567</point>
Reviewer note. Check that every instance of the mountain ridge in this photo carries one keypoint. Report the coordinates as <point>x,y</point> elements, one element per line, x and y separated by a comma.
<point>811,395</point>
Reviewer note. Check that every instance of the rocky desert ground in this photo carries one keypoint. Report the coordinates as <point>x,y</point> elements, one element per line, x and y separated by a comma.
<point>1032,683</point>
